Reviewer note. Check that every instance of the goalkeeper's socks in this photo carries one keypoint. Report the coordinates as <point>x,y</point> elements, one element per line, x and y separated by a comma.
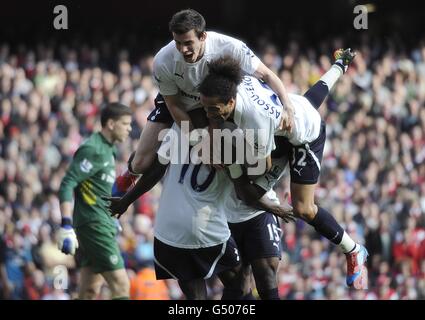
<point>123,183</point>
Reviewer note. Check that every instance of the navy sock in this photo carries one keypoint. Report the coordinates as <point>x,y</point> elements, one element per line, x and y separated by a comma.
<point>317,93</point>
<point>325,224</point>
<point>271,294</point>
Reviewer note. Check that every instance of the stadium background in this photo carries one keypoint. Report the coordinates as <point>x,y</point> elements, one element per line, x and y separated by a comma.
<point>53,84</point>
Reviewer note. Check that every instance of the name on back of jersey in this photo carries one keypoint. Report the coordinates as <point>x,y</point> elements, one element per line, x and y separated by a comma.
<point>271,106</point>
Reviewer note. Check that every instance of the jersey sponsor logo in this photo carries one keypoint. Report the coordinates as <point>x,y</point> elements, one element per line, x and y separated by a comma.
<point>191,96</point>
<point>86,166</point>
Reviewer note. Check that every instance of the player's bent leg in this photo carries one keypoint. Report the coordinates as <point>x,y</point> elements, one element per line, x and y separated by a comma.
<point>147,146</point>
<point>118,283</point>
<point>319,91</point>
<point>265,275</point>
<point>194,289</point>
<point>303,201</point>
<point>322,221</point>
<point>90,284</point>
<point>141,159</point>
<point>326,225</point>
<point>236,282</point>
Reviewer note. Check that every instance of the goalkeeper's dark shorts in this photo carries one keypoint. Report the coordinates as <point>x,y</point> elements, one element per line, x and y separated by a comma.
<point>161,112</point>
<point>98,248</point>
<point>189,264</point>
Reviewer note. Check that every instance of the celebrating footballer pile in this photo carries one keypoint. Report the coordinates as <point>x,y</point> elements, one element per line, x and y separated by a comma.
<point>223,132</point>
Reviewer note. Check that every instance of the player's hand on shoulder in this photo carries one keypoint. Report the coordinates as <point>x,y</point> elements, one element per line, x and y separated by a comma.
<point>67,239</point>
<point>287,119</point>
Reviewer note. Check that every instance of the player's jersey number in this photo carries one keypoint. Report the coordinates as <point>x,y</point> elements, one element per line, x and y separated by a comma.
<point>198,187</point>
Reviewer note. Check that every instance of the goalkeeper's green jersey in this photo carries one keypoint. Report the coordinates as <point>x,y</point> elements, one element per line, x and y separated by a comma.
<point>89,177</point>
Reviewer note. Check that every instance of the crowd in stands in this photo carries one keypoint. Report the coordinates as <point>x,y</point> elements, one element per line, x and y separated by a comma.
<point>372,180</point>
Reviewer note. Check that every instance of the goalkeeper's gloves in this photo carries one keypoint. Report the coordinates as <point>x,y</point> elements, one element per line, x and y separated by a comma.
<point>67,239</point>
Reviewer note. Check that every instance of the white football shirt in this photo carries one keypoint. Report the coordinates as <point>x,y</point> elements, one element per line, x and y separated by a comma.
<point>307,122</point>
<point>175,76</point>
<point>257,110</point>
<point>189,214</point>
<point>258,107</point>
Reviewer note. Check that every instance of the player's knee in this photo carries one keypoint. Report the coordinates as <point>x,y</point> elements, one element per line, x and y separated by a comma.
<point>304,210</point>
<point>120,287</point>
<point>89,293</point>
<point>265,271</point>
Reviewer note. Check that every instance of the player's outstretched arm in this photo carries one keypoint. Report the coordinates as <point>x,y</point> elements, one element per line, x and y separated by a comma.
<point>117,206</point>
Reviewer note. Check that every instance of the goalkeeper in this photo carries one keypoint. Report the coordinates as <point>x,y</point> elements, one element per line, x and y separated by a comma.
<point>89,177</point>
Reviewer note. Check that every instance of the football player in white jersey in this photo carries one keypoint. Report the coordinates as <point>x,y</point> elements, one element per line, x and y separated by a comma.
<point>225,98</point>
<point>256,231</point>
<point>178,69</point>
<point>192,239</point>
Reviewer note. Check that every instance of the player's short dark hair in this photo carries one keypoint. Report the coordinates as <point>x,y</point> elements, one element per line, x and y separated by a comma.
<point>114,111</point>
<point>224,76</point>
<point>186,20</point>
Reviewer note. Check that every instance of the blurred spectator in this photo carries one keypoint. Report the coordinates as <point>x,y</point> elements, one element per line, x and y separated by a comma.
<point>144,286</point>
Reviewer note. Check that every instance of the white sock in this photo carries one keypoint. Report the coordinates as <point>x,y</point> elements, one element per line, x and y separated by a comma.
<point>331,76</point>
<point>347,244</point>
